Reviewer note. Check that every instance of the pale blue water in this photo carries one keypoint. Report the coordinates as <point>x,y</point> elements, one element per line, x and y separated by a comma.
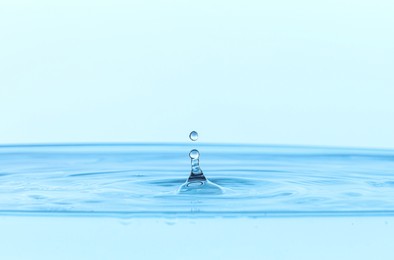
<point>129,180</point>
<point>129,201</point>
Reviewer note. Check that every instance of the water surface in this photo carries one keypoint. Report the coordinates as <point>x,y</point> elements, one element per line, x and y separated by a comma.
<point>143,180</point>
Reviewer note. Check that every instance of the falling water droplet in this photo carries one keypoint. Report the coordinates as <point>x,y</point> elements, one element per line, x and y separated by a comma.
<point>193,135</point>
<point>197,183</point>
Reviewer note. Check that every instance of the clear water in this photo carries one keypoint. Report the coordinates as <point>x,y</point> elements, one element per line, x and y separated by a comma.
<point>197,184</point>
<point>144,180</point>
<point>193,135</point>
<point>125,201</point>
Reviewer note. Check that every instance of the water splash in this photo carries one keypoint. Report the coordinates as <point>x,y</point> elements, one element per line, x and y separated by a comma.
<point>197,182</point>
<point>196,172</point>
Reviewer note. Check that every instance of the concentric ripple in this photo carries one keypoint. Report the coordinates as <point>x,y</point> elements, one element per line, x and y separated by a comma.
<point>144,179</point>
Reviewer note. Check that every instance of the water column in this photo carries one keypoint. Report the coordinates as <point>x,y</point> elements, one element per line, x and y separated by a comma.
<point>197,182</point>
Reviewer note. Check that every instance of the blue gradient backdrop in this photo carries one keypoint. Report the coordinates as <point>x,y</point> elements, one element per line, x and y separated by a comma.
<point>277,72</point>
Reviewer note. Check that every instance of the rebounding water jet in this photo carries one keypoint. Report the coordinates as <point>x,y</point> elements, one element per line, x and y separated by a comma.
<point>197,182</point>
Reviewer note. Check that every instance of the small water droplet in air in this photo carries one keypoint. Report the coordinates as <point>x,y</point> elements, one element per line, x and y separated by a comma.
<point>193,136</point>
<point>194,154</point>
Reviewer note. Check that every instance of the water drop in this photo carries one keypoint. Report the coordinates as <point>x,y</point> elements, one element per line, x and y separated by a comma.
<point>197,183</point>
<point>193,136</point>
<point>194,154</point>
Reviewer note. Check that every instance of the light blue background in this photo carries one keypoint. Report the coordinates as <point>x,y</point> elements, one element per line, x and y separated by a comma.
<point>278,72</point>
